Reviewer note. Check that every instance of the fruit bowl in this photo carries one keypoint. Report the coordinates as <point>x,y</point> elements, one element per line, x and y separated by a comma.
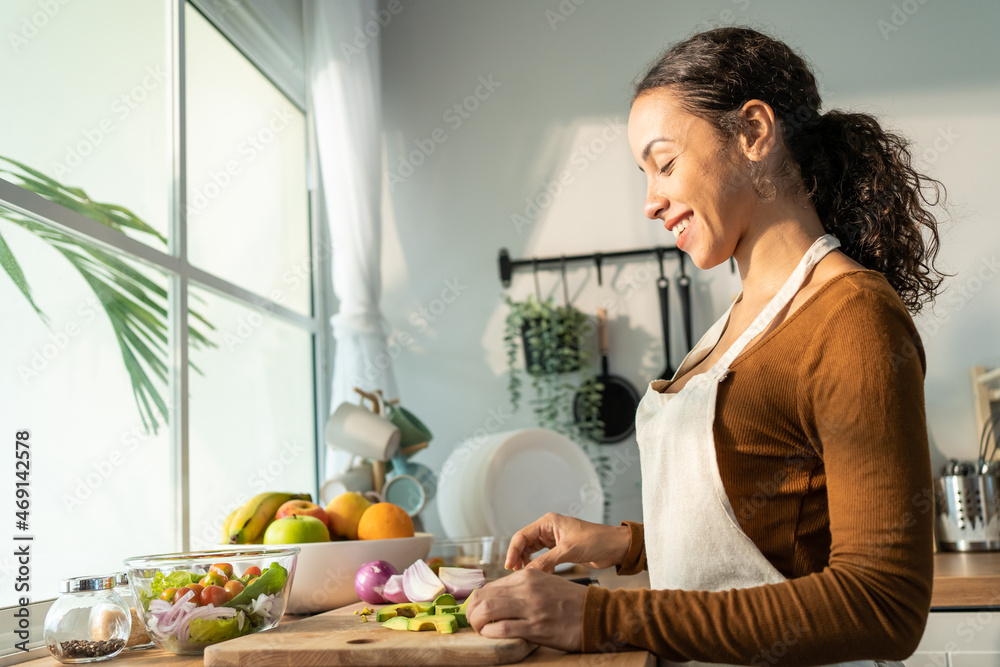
<point>179,617</point>
<point>324,576</point>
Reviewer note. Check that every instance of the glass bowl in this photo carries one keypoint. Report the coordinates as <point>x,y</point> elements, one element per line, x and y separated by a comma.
<point>185,628</point>
<point>482,553</point>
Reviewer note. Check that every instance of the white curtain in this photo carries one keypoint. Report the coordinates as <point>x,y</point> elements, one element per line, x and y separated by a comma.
<point>345,96</point>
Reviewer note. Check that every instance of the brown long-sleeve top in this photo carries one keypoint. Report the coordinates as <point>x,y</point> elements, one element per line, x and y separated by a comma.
<point>822,446</point>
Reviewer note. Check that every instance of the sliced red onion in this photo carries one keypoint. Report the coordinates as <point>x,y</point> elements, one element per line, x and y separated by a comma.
<point>369,581</point>
<point>420,583</point>
<point>461,581</point>
<point>393,591</point>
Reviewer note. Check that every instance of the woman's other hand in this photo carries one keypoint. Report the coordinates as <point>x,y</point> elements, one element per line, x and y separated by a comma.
<point>542,608</point>
<point>569,540</point>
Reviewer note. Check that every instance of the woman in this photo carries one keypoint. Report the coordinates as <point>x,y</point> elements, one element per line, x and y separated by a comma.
<point>786,473</point>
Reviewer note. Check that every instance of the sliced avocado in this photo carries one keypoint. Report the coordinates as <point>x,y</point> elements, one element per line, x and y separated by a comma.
<point>443,599</point>
<point>397,623</point>
<point>423,613</point>
<point>406,609</point>
<point>458,611</point>
<point>445,623</point>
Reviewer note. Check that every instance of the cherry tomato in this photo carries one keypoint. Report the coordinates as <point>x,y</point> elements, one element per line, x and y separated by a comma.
<point>214,579</point>
<point>234,588</point>
<point>181,592</point>
<point>197,588</point>
<point>252,580</point>
<point>168,594</point>
<point>215,595</point>
<point>252,571</point>
<point>225,569</point>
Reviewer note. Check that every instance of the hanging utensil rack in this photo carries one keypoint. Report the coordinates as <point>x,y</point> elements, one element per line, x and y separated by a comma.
<point>508,266</point>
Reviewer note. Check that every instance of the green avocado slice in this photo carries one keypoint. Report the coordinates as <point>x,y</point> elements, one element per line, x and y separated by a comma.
<point>444,599</point>
<point>397,623</point>
<point>444,623</point>
<point>405,609</point>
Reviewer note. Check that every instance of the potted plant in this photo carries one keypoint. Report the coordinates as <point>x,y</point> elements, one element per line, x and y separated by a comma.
<point>552,338</point>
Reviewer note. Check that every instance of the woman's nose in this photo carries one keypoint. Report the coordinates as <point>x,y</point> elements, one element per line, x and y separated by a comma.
<point>656,204</point>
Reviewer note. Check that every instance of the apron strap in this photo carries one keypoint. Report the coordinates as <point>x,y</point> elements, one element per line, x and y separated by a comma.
<point>817,251</point>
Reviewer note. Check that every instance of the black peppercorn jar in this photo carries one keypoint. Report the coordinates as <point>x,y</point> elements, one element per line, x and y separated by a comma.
<point>89,622</point>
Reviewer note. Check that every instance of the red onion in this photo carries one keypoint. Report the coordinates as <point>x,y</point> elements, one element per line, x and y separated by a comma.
<point>420,583</point>
<point>393,591</point>
<point>370,579</point>
<point>460,581</point>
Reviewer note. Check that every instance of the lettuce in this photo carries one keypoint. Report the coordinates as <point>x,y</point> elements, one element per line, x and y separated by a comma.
<point>205,631</point>
<point>162,582</point>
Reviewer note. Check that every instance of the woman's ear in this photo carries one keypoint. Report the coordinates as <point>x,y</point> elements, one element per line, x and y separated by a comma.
<point>762,132</point>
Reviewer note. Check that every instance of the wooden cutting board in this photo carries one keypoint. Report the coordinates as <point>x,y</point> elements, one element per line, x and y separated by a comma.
<point>340,638</point>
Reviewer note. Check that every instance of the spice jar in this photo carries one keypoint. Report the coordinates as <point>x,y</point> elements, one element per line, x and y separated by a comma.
<point>88,622</point>
<point>138,638</point>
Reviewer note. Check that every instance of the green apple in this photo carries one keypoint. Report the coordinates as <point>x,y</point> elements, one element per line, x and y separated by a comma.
<point>296,530</point>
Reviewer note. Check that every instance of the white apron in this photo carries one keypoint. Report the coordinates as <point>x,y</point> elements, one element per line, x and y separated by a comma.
<point>693,540</point>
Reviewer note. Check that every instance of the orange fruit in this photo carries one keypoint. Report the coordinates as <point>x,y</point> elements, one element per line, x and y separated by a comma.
<point>384,521</point>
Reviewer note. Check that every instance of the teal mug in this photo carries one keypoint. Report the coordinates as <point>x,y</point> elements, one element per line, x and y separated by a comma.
<point>412,430</point>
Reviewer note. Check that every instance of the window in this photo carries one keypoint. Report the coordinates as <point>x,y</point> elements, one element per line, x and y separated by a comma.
<point>159,299</point>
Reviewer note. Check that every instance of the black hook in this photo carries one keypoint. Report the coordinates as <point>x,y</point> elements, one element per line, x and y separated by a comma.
<point>562,268</point>
<point>598,259</point>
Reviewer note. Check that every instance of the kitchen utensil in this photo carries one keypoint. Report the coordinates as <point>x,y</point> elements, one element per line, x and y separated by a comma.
<point>537,471</point>
<point>407,492</point>
<point>357,478</point>
<point>402,466</point>
<point>663,287</point>
<point>324,573</point>
<point>484,553</point>
<point>352,428</point>
<point>619,398</point>
<point>968,512</point>
<point>340,638</point>
<point>412,430</point>
<point>684,289</point>
<point>88,622</point>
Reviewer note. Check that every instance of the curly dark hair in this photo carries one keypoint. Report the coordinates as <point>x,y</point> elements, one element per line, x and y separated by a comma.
<point>857,175</point>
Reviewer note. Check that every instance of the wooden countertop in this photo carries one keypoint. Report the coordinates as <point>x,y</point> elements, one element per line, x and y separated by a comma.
<point>970,579</point>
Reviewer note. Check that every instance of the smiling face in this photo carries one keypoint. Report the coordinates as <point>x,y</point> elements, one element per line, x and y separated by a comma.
<point>693,182</point>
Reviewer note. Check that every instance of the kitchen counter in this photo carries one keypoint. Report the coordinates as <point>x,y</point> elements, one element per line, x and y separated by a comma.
<point>961,580</point>
<point>966,580</point>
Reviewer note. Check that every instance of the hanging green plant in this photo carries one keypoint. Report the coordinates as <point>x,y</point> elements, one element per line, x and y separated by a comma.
<point>552,339</point>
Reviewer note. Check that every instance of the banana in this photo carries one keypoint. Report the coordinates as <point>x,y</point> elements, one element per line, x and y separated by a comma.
<point>251,519</point>
<point>225,526</point>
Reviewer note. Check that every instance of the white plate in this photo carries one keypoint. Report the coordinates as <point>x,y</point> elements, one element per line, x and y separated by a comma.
<point>535,471</point>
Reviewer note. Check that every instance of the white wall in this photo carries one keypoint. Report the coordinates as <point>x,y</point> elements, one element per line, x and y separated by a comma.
<point>563,83</point>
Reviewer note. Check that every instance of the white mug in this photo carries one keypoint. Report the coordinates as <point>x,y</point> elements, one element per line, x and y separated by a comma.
<point>357,478</point>
<point>352,428</point>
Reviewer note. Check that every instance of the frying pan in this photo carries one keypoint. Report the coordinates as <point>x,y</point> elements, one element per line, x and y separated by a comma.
<point>619,399</point>
<point>684,287</point>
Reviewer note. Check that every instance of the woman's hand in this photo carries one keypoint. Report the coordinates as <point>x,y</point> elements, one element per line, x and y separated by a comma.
<point>569,540</point>
<point>532,605</point>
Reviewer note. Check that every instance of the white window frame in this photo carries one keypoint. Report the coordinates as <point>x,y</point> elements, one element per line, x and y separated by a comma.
<point>182,275</point>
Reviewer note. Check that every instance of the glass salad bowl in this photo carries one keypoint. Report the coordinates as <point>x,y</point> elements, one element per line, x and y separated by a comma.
<point>188,601</point>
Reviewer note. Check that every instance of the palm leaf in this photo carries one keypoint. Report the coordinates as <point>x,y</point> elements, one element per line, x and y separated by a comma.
<point>136,306</point>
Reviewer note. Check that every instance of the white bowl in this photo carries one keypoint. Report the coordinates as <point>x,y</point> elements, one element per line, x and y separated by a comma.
<point>324,572</point>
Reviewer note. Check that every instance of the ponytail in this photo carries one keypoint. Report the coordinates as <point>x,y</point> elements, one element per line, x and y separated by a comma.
<point>859,177</point>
